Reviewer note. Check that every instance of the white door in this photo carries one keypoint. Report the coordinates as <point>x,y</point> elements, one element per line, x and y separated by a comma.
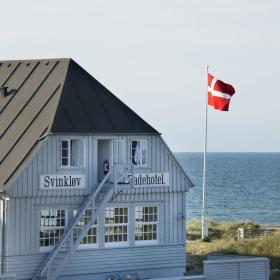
<point>117,155</point>
<point>117,152</point>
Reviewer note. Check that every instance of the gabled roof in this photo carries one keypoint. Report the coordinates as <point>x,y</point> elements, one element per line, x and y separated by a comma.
<point>39,97</point>
<point>86,106</point>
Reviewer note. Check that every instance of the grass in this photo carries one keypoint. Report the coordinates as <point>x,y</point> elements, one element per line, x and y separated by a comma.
<point>223,239</point>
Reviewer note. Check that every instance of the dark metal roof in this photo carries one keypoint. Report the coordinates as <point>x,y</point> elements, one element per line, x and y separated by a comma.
<point>86,106</point>
<point>54,95</point>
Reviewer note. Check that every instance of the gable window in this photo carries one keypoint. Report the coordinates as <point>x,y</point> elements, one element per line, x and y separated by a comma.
<point>116,226</point>
<point>71,152</point>
<point>139,152</point>
<point>52,225</point>
<point>91,238</point>
<point>146,224</point>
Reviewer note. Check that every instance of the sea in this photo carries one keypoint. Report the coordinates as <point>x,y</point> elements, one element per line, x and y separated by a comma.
<point>239,186</point>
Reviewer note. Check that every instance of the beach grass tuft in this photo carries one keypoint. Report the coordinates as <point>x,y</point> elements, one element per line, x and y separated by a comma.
<point>223,239</point>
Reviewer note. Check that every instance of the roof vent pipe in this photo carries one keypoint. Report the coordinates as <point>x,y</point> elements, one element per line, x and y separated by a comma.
<point>6,92</point>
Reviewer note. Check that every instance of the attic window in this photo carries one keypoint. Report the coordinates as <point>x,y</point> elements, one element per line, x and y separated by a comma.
<point>9,64</point>
<point>47,63</point>
<point>28,63</point>
<point>71,153</point>
<point>139,152</point>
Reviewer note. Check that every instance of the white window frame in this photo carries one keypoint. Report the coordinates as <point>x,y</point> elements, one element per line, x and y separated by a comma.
<point>80,152</point>
<point>141,141</point>
<point>121,243</point>
<point>69,152</point>
<point>157,223</point>
<point>88,245</point>
<point>48,248</point>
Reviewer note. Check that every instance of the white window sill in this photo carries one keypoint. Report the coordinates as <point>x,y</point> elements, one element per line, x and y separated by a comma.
<point>116,244</point>
<point>80,247</point>
<point>46,249</point>
<point>70,167</point>
<point>140,165</point>
<point>146,242</point>
<point>87,246</point>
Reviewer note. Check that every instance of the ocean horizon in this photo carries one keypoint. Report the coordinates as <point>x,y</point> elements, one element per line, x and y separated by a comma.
<point>240,186</point>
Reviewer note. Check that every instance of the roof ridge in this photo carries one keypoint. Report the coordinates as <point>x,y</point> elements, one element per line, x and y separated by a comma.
<point>36,59</point>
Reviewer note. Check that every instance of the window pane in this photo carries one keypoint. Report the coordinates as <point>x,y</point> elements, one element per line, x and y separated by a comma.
<point>52,223</point>
<point>71,152</point>
<point>116,224</point>
<point>74,152</point>
<point>139,152</point>
<point>64,161</point>
<point>144,152</point>
<point>64,144</point>
<point>146,223</point>
<point>136,157</point>
<point>144,161</point>
<point>64,153</point>
<point>91,237</point>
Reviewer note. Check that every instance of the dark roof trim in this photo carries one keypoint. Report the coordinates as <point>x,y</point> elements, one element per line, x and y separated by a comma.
<point>104,133</point>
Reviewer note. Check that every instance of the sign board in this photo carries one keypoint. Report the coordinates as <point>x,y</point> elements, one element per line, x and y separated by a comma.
<point>62,181</point>
<point>151,179</point>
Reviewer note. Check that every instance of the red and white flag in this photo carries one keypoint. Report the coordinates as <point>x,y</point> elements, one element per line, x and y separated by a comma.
<point>219,93</point>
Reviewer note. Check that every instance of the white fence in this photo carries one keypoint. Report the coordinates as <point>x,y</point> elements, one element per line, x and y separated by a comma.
<point>243,268</point>
<point>221,267</point>
<point>194,277</point>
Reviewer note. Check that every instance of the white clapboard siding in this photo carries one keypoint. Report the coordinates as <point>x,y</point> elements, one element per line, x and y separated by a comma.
<point>143,260</point>
<point>23,227</point>
<point>23,214</point>
<point>46,160</point>
<point>26,200</point>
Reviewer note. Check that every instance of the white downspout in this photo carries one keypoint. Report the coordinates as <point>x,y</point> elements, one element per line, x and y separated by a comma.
<point>3,243</point>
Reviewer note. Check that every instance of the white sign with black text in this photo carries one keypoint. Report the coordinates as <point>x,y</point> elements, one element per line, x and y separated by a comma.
<point>65,181</point>
<point>151,180</point>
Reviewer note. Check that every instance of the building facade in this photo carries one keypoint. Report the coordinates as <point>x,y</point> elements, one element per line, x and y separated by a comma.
<point>89,190</point>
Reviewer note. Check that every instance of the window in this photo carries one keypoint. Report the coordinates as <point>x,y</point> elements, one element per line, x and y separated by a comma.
<point>139,152</point>
<point>52,225</point>
<point>146,224</point>
<point>71,153</point>
<point>91,238</point>
<point>116,226</point>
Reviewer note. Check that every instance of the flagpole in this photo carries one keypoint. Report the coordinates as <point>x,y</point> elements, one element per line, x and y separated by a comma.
<point>204,226</point>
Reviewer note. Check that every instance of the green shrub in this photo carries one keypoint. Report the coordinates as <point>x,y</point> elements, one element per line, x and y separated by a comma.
<point>275,275</point>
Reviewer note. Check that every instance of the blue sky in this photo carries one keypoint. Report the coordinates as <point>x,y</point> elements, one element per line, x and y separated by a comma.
<point>152,54</point>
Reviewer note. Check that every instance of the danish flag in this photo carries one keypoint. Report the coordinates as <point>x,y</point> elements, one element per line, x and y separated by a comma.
<point>219,93</point>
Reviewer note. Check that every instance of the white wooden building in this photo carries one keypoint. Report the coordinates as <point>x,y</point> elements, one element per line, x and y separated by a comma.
<point>88,188</point>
